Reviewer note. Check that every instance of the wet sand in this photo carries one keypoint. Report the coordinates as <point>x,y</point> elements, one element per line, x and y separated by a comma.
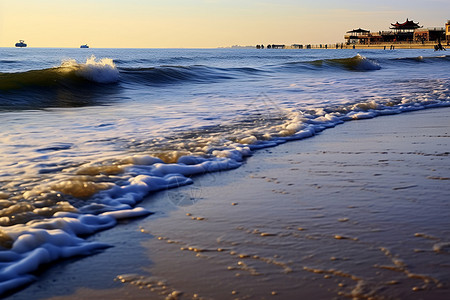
<point>360,211</point>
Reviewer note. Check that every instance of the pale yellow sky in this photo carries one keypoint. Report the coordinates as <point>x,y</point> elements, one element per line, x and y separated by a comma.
<point>201,23</point>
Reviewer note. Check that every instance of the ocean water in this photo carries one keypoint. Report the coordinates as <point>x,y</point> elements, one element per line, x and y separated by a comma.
<point>86,134</point>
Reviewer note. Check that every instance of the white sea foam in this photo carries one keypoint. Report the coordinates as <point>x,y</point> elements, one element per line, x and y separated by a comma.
<point>43,241</point>
<point>101,71</point>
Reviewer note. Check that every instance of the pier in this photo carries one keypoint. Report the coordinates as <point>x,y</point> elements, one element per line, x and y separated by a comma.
<point>406,35</point>
<point>387,46</point>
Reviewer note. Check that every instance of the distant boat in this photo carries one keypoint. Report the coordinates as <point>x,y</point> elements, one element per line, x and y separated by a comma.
<point>21,44</point>
<point>84,46</point>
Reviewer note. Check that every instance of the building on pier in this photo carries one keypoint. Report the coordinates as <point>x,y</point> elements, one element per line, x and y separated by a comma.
<point>406,32</point>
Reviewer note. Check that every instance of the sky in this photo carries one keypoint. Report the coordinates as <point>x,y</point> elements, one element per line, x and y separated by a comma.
<point>203,23</point>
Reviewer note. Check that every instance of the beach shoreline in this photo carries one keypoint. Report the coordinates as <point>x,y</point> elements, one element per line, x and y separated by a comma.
<point>358,211</point>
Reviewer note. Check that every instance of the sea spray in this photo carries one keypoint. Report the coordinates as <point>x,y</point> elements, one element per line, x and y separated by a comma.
<point>101,71</point>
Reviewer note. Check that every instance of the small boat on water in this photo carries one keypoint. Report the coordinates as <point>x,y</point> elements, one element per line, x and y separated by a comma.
<point>21,44</point>
<point>84,46</point>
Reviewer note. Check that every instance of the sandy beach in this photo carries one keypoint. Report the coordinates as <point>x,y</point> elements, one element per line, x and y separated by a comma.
<point>359,211</point>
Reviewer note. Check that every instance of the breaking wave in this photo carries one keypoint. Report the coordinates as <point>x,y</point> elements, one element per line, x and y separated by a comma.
<point>355,63</point>
<point>102,71</point>
<point>71,84</point>
<point>68,73</point>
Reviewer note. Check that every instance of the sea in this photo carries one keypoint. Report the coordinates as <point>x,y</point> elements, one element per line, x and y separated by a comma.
<point>88,134</point>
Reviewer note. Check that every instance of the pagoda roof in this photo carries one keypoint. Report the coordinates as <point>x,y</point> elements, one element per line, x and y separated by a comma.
<point>409,24</point>
<point>359,30</point>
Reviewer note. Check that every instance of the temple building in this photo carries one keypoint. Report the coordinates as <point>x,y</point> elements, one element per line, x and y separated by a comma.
<point>406,32</point>
<point>406,27</point>
<point>403,32</point>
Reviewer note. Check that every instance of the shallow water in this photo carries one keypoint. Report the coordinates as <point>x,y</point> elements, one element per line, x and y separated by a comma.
<point>86,134</point>
<point>343,215</point>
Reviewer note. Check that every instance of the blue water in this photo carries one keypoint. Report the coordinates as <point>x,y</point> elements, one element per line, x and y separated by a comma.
<point>86,134</point>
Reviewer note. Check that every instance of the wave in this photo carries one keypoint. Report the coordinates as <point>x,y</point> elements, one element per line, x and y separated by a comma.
<point>182,74</point>
<point>172,74</point>
<point>360,63</point>
<point>422,59</point>
<point>69,72</point>
<point>356,63</point>
<point>70,84</point>
<point>74,84</point>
